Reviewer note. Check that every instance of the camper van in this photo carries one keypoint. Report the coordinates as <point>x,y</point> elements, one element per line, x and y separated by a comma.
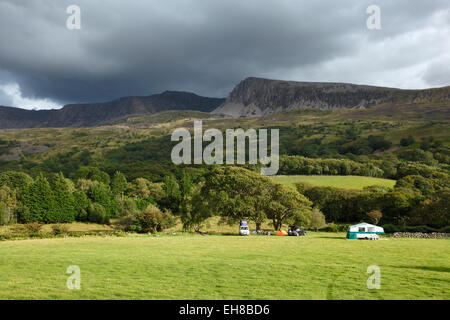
<point>244,229</point>
<point>364,231</point>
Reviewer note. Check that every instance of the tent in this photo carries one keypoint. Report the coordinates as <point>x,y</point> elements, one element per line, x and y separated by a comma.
<point>281,233</point>
<point>363,230</point>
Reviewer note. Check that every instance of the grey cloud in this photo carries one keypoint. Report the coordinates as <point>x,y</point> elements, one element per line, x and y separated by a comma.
<point>4,100</point>
<point>205,46</point>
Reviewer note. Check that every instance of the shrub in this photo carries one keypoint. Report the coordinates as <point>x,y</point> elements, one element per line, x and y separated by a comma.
<point>151,220</point>
<point>317,219</point>
<point>170,220</point>
<point>125,206</point>
<point>97,213</point>
<point>33,227</point>
<point>59,229</point>
<point>19,229</point>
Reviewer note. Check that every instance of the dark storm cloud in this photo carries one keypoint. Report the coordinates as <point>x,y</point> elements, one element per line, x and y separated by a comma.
<point>207,46</point>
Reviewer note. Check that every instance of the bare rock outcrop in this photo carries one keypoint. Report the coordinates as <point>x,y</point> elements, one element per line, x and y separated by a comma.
<point>255,97</point>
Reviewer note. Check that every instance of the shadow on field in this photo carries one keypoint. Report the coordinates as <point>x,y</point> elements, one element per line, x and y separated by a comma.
<point>229,234</point>
<point>426,268</point>
<point>336,237</point>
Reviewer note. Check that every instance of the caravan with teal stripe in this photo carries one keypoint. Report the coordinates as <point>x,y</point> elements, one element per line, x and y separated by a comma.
<point>364,231</point>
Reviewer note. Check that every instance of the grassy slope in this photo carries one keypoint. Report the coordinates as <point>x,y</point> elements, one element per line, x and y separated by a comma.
<point>400,121</point>
<point>346,182</point>
<point>319,266</point>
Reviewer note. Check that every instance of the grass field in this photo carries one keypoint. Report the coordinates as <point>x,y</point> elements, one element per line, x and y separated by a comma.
<point>346,182</point>
<point>319,266</point>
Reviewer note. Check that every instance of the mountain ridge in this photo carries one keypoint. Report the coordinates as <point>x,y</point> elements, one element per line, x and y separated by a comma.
<point>252,97</point>
<point>255,97</point>
<point>102,113</point>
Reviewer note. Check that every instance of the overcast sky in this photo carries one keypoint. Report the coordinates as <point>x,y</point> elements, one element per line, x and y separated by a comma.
<point>137,47</point>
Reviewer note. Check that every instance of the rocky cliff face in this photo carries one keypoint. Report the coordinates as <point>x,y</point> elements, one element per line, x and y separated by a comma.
<point>95,114</point>
<point>259,97</point>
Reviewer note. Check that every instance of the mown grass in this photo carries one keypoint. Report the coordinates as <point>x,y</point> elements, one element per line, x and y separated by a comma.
<point>318,266</point>
<point>345,182</point>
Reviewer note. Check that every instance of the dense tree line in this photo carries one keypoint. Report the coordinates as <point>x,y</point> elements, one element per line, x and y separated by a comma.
<point>92,197</point>
<point>231,193</point>
<point>388,168</point>
<point>96,194</point>
<point>415,200</point>
<point>296,165</point>
<point>141,205</point>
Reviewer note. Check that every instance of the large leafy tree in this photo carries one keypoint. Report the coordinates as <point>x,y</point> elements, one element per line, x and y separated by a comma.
<point>82,203</point>
<point>119,184</point>
<point>144,189</point>
<point>286,205</point>
<point>101,194</point>
<point>194,209</point>
<point>38,202</point>
<point>65,206</point>
<point>172,194</point>
<point>236,193</point>
<point>15,180</point>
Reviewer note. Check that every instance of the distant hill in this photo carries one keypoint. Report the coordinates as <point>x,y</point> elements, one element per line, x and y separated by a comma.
<point>96,114</point>
<point>252,97</point>
<point>255,97</point>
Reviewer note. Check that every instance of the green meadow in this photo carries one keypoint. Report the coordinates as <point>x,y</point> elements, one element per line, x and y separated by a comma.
<point>345,182</point>
<point>184,266</point>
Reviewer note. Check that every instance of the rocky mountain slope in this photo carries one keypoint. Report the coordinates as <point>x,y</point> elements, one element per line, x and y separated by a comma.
<point>95,114</point>
<point>252,97</point>
<point>255,97</point>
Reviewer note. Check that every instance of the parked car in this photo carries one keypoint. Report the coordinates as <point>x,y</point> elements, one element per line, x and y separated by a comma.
<point>244,229</point>
<point>296,232</point>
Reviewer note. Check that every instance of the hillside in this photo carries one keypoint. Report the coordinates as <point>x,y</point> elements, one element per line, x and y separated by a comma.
<point>97,114</point>
<point>255,97</point>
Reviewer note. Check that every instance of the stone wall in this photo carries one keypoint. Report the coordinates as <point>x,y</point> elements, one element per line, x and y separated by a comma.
<point>433,235</point>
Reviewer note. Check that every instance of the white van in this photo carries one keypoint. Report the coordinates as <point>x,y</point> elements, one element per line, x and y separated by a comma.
<point>244,229</point>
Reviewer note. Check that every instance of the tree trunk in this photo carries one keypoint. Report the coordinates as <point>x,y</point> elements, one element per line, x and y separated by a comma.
<point>277,224</point>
